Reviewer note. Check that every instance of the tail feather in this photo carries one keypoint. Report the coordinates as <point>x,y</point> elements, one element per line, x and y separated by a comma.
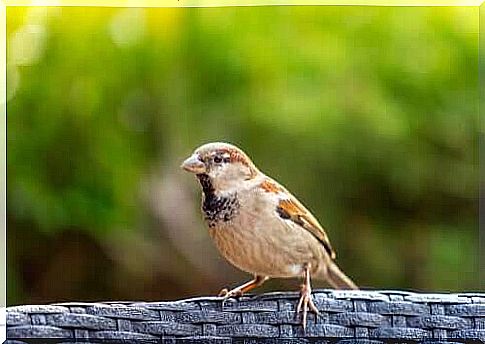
<point>337,279</point>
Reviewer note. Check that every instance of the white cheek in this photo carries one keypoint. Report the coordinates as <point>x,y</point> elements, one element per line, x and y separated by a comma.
<point>235,173</point>
<point>219,173</point>
<point>215,172</point>
<point>228,176</point>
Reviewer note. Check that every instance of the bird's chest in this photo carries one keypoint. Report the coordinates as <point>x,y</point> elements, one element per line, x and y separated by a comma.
<point>220,210</point>
<point>217,208</point>
<point>250,240</point>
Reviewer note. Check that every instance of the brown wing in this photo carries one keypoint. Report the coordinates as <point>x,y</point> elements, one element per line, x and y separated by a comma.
<point>289,208</point>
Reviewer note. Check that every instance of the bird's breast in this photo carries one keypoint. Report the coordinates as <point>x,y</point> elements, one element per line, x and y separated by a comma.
<point>217,209</point>
<point>256,241</point>
<point>220,210</point>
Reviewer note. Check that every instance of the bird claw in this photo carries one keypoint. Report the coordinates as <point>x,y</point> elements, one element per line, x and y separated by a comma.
<point>225,293</point>
<point>305,302</point>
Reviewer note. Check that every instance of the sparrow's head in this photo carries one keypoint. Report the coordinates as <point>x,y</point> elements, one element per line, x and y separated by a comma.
<point>225,164</point>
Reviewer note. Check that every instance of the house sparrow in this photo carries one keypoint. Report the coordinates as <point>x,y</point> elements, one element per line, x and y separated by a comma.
<point>259,226</point>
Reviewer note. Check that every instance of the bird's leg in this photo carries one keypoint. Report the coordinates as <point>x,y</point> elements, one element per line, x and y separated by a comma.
<point>238,291</point>
<point>306,297</point>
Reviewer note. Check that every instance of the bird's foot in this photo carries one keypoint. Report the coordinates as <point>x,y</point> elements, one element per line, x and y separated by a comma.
<point>225,293</point>
<point>306,302</point>
<point>239,291</point>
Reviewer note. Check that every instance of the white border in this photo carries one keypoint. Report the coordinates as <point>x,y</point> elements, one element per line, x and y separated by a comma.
<point>226,3</point>
<point>3,172</point>
<point>179,3</point>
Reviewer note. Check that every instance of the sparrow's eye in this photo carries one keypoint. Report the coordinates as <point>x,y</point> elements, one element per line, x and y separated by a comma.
<point>217,159</point>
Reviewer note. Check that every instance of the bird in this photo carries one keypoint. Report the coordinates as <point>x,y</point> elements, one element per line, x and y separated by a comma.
<point>260,227</point>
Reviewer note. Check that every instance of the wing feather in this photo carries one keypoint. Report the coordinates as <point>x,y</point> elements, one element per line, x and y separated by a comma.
<point>290,209</point>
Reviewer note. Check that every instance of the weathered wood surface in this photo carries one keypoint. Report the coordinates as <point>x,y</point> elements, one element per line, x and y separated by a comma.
<point>369,316</point>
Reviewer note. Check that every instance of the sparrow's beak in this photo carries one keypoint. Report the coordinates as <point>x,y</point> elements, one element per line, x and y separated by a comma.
<point>194,165</point>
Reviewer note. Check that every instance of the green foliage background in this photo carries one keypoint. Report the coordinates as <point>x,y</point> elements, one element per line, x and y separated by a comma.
<point>368,114</point>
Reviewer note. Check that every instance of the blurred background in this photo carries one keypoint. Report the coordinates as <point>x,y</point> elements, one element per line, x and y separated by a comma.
<point>369,115</point>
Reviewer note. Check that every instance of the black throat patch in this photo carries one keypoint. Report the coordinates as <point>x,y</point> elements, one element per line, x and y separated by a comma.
<point>216,208</point>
